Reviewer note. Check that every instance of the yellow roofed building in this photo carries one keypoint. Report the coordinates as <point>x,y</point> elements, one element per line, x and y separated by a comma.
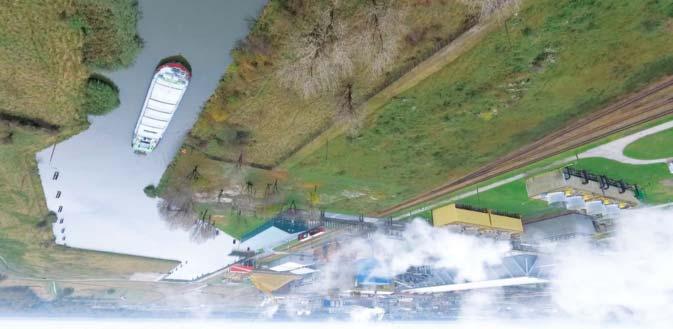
<point>481,219</point>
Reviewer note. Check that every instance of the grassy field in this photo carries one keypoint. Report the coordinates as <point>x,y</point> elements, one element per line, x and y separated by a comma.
<point>555,162</point>
<point>560,60</point>
<point>41,71</point>
<point>43,74</point>
<point>229,221</point>
<point>655,146</point>
<point>215,175</point>
<point>511,198</point>
<point>253,112</point>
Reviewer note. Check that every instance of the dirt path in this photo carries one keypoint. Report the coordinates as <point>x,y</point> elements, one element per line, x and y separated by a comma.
<point>651,103</point>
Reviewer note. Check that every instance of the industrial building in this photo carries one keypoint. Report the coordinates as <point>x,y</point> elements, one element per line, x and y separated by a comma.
<point>367,281</point>
<point>465,218</point>
<point>581,190</point>
<point>515,270</point>
<point>559,228</point>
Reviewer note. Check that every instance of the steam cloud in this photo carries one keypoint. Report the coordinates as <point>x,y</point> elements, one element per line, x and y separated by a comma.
<point>628,278</point>
<point>624,279</point>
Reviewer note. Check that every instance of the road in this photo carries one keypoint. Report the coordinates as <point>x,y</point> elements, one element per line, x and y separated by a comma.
<point>615,150</point>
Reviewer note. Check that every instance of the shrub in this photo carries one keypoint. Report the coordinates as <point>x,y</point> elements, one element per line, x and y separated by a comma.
<point>50,217</point>
<point>100,97</point>
<point>150,191</point>
<point>110,31</point>
<point>67,291</point>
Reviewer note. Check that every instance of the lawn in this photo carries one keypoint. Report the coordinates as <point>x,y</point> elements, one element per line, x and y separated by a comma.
<point>511,198</point>
<point>230,222</point>
<point>560,60</point>
<point>655,179</point>
<point>555,162</point>
<point>655,146</point>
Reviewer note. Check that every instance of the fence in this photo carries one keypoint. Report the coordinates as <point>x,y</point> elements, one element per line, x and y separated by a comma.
<point>604,181</point>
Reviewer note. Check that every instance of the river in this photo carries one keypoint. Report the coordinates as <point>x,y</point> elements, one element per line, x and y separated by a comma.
<point>100,178</point>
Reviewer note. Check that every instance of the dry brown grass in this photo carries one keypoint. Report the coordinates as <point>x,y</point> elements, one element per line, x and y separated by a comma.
<point>252,100</point>
<point>41,67</point>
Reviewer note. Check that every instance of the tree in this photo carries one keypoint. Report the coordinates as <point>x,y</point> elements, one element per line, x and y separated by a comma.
<point>177,206</point>
<point>150,191</point>
<point>382,29</point>
<point>101,96</point>
<point>320,56</point>
<point>202,231</point>
<point>500,9</point>
<point>67,291</point>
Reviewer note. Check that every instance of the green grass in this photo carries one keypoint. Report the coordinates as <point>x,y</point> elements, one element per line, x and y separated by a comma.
<point>547,164</point>
<point>655,179</point>
<point>511,198</point>
<point>233,224</point>
<point>655,146</point>
<point>109,28</point>
<point>150,191</point>
<point>240,105</point>
<point>566,59</point>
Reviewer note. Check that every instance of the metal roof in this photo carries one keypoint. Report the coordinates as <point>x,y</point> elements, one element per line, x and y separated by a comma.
<point>518,269</point>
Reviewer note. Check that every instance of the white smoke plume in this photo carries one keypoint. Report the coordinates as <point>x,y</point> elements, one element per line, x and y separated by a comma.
<point>625,279</point>
<point>366,314</point>
<point>630,278</point>
<point>420,244</point>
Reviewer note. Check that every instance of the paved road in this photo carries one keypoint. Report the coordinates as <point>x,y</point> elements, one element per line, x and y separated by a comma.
<point>615,150</point>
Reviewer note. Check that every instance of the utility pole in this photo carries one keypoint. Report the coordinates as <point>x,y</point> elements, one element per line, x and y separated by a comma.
<point>326,149</point>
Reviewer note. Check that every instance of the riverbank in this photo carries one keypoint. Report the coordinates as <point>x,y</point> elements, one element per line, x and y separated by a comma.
<point>100,182</point>
<point>43,55</point>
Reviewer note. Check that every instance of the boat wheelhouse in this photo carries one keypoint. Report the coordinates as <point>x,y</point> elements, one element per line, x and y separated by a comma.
<point>168,85</point>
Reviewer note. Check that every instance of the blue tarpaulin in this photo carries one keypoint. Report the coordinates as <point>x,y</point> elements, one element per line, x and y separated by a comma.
<point>364,275</point>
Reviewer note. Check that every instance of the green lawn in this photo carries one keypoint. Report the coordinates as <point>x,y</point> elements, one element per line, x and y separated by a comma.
<point>543,165</point>
<point>511,197</point>
<point>233,224</point>
<point>655,179</point>
<point>560,60</point>
<point>655,146</point>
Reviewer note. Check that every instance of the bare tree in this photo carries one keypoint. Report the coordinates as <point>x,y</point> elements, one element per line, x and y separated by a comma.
<point>344,101</point>
<point>376,42</point>
<point>320,56</point>
<point>500,9</point>
<point>177,207</point>
<point>488,8</point>
<point>202,230</point>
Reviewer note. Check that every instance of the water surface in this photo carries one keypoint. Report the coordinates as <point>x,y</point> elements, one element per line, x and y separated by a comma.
<point>101,179</point>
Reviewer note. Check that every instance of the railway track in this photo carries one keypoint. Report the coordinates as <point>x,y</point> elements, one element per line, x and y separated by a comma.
<point>646,105</point>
